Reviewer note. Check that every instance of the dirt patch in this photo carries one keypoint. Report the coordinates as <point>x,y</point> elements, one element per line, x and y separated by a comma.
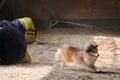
<point>43,66</point>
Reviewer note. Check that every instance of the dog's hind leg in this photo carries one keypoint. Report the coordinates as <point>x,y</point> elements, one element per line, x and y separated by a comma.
<point>62,64</point>
<point>57,54</point>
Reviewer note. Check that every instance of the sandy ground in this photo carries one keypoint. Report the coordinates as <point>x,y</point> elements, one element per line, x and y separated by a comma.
<point>43,66</point>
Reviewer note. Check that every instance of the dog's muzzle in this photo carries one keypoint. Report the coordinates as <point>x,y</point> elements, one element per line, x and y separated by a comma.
<point>96,55</point>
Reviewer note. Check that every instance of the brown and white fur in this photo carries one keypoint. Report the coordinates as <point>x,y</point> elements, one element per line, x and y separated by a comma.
<point>86,56</point>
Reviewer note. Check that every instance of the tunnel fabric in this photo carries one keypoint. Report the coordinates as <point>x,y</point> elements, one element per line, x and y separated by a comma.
<point>12,42</point>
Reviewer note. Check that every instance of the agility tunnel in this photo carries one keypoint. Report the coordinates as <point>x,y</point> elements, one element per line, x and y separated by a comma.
<point>30,31</point>
<point>12,42</point>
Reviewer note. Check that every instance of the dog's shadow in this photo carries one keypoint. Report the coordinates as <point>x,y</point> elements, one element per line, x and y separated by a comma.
<point>100,72</point>
<point>107,72</point>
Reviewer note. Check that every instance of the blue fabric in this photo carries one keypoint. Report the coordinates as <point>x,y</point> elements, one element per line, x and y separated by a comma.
<point>12,42</point>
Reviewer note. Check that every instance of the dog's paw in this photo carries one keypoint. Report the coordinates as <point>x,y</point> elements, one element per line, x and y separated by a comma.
<point>96,70</point>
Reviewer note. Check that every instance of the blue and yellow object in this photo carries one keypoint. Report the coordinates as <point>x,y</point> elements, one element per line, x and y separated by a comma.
<point>27,58</point>
<point>12,42</point>
<point>30,33</point>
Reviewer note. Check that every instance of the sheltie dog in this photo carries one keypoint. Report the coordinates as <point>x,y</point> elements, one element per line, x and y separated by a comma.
<point>86,56</point>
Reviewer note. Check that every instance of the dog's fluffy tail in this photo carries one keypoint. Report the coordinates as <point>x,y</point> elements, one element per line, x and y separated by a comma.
<point>57,54</point>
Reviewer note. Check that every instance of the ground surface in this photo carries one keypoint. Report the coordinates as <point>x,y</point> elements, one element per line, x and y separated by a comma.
<point>43,66</point>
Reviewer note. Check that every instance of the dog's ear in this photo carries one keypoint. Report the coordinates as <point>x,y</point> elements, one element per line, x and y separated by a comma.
<point>89,49</point>
<point>96,46</point>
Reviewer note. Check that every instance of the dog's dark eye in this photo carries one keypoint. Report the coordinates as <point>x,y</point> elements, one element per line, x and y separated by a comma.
<point>93,51</point>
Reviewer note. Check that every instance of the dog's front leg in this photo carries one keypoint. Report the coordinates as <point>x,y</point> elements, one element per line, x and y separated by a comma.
<point>94,68</point>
